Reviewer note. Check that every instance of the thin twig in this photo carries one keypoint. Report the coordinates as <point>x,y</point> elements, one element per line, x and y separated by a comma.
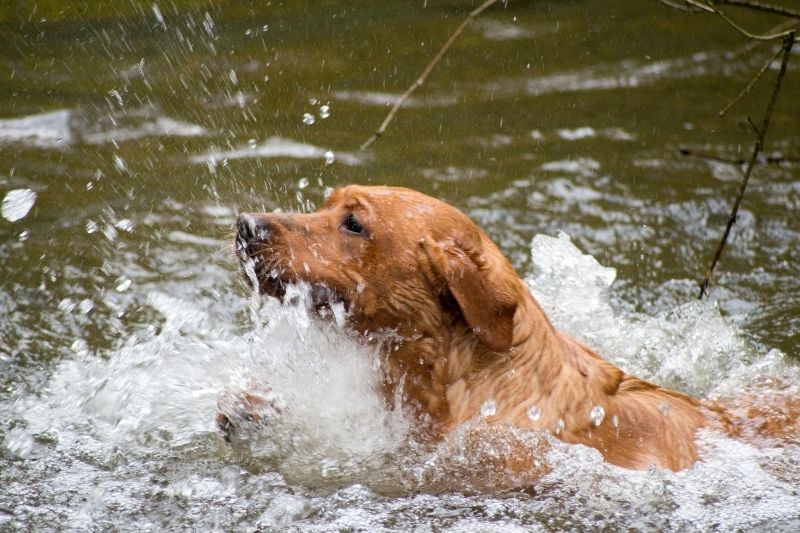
<point>688,152</point>
<point>749,35</point>
<point>773,159</point>
<point>414,86</point>
<point>788,42</point>
<point>678,7</point>
<point>760,6</point>
<point>749,86</point>
<point>752,45</point>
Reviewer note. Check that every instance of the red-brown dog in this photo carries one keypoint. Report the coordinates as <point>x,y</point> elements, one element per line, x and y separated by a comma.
<point>468,339</point>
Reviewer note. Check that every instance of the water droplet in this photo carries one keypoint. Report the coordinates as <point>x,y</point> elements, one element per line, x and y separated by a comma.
<point>67,305</point>
<point>120,163</point>
<point>19,441</point>
<point>615,421</point>
<point>313,101</point>
<point>308,119</point>
<point>302,183</point>
<point>17,204</point>
<point>534,413</point>
<point>559,426</point>
<point>124,224</point>
<point>90,186</point>
<point>489,408</point>
<point>85,306</point>
<point>324,111</point>
<point>597,415</point>
<point>110,232</point>
<point>664,408</point>
<point>329,157</point>
<point>80,347</point>
<point>123,284</point>
<point>23,236</point>
<point>91,226</point>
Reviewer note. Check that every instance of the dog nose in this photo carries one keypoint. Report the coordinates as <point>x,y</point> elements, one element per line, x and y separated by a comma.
<point>252,228</point>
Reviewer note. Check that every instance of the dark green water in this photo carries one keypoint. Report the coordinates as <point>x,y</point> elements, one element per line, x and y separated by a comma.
<point>144,128</point>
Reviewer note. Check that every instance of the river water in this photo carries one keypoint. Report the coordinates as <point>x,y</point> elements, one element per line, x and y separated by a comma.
<point>130,138</point>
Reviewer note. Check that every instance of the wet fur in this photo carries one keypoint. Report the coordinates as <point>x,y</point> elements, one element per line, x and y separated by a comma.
<point>465,328</point>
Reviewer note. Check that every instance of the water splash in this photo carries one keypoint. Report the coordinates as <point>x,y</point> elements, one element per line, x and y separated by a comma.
<point>328,451</point>
<point>17,204</point>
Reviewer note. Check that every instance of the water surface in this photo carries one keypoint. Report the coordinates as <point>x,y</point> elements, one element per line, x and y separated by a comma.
<point>131,138</point>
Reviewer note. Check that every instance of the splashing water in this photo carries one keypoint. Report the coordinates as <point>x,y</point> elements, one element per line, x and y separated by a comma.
<point>17,204</point>
<point>137,423</point>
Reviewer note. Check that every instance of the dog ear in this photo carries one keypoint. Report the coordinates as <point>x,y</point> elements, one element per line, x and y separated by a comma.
<point>487,308</point>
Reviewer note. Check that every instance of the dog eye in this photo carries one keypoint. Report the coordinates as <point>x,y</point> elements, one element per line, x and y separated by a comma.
<point>352,225</point>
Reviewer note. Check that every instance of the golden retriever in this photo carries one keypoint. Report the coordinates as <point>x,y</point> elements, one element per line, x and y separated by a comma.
<point>467,338</point>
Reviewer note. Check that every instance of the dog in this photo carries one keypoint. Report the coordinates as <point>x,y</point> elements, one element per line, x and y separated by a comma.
<point>462,337</point>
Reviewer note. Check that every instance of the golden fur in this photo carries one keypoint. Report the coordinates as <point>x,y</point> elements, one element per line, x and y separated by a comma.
<point>465,329</point>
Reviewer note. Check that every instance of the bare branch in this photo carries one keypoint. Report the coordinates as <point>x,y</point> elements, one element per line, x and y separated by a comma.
<point>760,6</point>
<point>749,35</point>
<point>752,45</point>
<point>749,86</point>
<point>788,42</point>
<point>414,86</point>
<point>678,7</point>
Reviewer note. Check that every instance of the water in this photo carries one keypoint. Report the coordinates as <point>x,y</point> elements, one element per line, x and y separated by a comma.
<point>137,424</point>
<point>136,134</point>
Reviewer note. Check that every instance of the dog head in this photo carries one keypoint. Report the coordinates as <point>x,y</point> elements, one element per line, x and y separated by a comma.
<point>397,259</point>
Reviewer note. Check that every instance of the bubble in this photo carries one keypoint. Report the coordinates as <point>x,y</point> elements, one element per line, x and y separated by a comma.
<point>329,157</point>
<point>302,183</point>
<point>324,111</point>
<point>308,119</point>
<point>559,426</point>
<point>489,408</point>
<point>597,415</point>
<point>534,413</point>
<point>91,226</point>
<point>24,235</point>
<point>17,204</point>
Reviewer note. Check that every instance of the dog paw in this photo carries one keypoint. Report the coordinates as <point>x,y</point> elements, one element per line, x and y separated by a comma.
<point>242,412</point>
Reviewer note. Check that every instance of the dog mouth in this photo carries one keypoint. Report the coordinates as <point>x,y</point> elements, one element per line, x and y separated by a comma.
<point>282,283</point>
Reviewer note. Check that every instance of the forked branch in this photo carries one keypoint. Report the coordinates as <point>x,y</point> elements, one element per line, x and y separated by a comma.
<point>788,42</point>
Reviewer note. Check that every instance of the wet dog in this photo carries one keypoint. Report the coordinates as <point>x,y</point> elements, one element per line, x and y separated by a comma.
<point>467,339</point>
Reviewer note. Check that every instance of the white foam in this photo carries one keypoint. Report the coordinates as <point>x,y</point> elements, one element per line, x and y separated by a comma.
<point>158,127</point>
<point>171,382</point>
<point>117,415</point>
<point>43,130</point>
